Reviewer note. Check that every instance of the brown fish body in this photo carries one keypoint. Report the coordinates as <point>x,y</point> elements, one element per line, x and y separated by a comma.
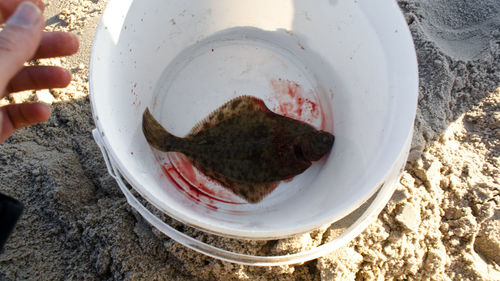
<point>245,146</point>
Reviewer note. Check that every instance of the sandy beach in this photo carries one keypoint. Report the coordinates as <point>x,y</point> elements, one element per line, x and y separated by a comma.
<point>442,223</point>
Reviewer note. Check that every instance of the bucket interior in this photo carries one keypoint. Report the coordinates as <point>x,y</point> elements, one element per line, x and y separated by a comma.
<point>345,67</point>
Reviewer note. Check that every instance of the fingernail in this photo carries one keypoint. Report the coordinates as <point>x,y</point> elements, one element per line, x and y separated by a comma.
<point>26,15</point>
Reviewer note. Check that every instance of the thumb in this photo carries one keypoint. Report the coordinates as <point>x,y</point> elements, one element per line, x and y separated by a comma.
<point>19,40</point>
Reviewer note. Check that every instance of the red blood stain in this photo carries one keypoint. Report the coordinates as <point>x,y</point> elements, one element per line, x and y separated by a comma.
<point>313,106</point>
<point>294,102</point>
<point>212,50</point>
<point>213,207</point>
<point>237,212</point>
<point>177,180</point>
<point>186,169</point>
<point>203,183</point>
<point>323,118</point>
<point>286,107</point>
<point>196,186</point>
<point>293,89</point>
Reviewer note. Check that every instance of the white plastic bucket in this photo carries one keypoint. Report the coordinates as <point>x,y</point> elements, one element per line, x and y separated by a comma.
<point>344,66</point>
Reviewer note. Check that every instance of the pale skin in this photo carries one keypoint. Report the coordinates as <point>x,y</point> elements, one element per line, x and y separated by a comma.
<point>22,39</point>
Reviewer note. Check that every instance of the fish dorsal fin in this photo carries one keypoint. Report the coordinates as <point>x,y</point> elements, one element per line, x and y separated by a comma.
<point>239,105</point>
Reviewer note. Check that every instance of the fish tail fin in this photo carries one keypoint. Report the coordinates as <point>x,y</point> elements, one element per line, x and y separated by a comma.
<point>156,135</point>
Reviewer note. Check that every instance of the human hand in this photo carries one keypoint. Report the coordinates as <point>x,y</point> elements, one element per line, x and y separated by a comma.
<point>21,40</point>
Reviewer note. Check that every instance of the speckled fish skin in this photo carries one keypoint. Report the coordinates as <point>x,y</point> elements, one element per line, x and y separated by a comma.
<point>245,146</point>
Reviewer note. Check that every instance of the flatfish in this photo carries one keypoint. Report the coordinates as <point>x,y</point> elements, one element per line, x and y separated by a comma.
<point>244,146</point>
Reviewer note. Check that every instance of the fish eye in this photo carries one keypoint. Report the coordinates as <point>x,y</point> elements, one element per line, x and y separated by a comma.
<point>297,149</point>
<point>325,137</point>
<point>321,138</point>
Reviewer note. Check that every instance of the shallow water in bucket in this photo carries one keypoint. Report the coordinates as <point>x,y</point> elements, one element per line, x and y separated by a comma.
<point>228,64</point>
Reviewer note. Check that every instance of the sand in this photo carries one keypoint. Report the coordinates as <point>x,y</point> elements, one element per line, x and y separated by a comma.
<point>442,223</point>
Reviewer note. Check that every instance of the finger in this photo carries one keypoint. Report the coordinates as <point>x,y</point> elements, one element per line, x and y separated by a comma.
<point>8,7</point>
<point>39,77</point>
<point>57,44</point>
<point>17,116</point>
<point>19,40</point>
